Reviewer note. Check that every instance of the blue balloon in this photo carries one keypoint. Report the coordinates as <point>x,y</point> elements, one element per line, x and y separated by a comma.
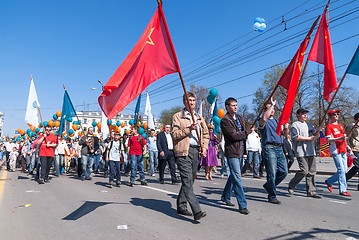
<point>210,100</point>
<point>45,124</point>
<point>54,116</point>
<point>131,122</point>
<point>94,124</point>
<point>213,93</point>
<point>69,119</point>
<point>216,120</point>
<point>71,131</point>
<point>144,135</point>
<point>37,130</point>
<point>41,124</point>
<point>28,131</point>
<point>141,131</point>
<point>217,129</point>
<point>109,122</point>
<point>76,122</point>
<point>118,123</point>
<point>124,131</point>
<point>142,125</point>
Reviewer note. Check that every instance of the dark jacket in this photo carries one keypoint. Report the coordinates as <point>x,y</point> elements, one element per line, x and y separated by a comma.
<point>93,142</point>
<point>287,148</point>
<point>233,137</point>
<point>162,144</point>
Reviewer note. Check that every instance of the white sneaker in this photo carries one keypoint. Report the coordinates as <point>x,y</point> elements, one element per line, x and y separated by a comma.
<point>222,175</point>
<point>153,175</point>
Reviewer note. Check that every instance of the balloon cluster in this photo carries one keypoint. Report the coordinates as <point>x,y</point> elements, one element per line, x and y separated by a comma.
<point>212,96</point>
<point>116,127</point>
<point>259,24</point>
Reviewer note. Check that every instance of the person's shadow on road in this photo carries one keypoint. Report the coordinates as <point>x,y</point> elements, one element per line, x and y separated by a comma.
<point>160,206</point>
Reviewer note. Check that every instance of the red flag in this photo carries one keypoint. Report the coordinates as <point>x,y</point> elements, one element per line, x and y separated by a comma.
<point>289,81</point>
<point>152,58</point>
<point>321,52</point>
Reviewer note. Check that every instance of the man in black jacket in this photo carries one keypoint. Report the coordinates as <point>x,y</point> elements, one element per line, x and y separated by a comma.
<point>165,149</point>
<point>89,146</point>
<point>235,135</point>
<point>288,147</point>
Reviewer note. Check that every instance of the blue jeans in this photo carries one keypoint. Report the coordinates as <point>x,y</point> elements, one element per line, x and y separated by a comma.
<point>59,161</point>
<point>153,161</point>
<point>87,162</point>
<point>234,182</point>
<point>276,168</point>
<point>96,162</point>
<point>225,167</point>
<point>137,160</point>
<point>252,156</point>
<point>115,171</point>
<point>32,162</point>
<point>340,161</point>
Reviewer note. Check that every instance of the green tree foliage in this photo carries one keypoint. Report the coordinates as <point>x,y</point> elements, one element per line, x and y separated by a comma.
<point>167,114</point>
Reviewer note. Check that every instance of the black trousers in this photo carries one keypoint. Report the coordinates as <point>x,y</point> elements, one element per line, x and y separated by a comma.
<point>171,163</point>
<point>46,163</point>
<point>7,154</point>
<point>355,168</point>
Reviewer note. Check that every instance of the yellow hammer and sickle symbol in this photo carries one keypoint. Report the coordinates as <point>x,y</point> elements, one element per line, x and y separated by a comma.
<point>149,37</point>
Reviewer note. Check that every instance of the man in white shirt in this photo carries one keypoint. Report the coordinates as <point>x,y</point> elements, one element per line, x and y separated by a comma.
<point>153,152</point>
<point>253,146</point>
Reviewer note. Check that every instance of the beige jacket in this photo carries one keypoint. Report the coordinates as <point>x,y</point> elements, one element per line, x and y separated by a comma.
<point>181,132</point>
<point>353,140</point>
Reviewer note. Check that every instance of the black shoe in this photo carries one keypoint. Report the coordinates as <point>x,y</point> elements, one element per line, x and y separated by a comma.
<point>314,195</point>
<point>230,204</point>
<point>244,211</point>
<point>89,178</point>
<point>144,183</point>
<point>131,184</point>
<point>46,180</point>
<point>118,184</point>
<point>199,215</point>
<point>184,212</point>
<point>274,200</point>
<point>41,181</point>
<point>162,182</point>
<point>175,182</point>
<point>110,185</point>
<point>83,178</point>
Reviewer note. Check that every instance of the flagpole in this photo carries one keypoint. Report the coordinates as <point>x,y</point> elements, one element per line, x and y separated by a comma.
<point>77,120</point>
<point>275,88</point>
<point>190,110</point>
<point>331,101</point>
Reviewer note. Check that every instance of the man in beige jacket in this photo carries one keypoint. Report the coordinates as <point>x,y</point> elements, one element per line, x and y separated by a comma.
<point>187,149</point>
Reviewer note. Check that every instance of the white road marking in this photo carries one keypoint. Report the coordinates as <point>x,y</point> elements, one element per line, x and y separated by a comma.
<point>334,201</point>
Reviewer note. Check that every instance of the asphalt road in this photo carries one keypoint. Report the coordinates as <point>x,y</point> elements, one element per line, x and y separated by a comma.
<point>67,208</point>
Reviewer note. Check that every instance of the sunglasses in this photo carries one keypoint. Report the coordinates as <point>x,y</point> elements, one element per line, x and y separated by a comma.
<point>335,114</point>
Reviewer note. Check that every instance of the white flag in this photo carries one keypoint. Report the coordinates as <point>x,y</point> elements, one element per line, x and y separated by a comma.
<point>31,116</point>
<point>150,122</point>
<point>104,127</point>
<point>200,108</point>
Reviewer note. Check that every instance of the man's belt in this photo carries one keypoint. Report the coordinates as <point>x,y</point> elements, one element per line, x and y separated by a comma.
<point>275,144</point>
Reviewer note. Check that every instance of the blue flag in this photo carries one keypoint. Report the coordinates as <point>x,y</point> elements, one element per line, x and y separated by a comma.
<point>137,110</point>
<point>353,67</point>
<point>68,111</point>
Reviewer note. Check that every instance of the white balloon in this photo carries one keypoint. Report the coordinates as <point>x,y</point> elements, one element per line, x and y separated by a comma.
<point>256,26</point>
<point>262,26</point>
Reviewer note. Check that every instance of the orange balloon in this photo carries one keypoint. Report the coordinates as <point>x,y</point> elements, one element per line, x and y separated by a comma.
<point>72,135</point>
<point>38,133</point>
<point>57,124</point>
<point>75,127</point>
<point>98,130</point>
<point>39,125</point>
<point>29,124</point>
<point>123,124</point>
<point>116,128</point>
<point>145,125</point>
<point>27,137</point>
<point>18,130</point>
<point>162,128</point>
<point>58,113</point>
<point>95,135</point>
<point>15,136</point>
<point>50,123</point>
<point>139,124</point>
<point>128,132</point>
<point>99,124</point>
<point>85,132</point>
<point>22,132</point>
<point>221,113</point>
